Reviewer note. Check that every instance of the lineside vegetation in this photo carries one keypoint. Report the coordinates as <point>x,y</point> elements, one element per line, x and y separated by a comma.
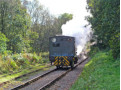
<point>102,72</point>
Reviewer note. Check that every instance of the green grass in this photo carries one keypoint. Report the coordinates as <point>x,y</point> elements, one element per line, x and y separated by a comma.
<point>11,63</point>
<point>9,77</point>
<point>100,73</point>
<point>12,66</point>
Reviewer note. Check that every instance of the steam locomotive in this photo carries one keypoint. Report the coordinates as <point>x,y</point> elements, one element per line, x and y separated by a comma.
<point>62,51</point>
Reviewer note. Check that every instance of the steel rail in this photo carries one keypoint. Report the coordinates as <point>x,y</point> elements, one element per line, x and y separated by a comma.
<point>59,77</point>
<point>3,83</point>
<point>32,80</point>
<point>49,83</point>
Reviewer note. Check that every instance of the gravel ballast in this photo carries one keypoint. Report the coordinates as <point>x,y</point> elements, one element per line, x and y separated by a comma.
<point>66,82</point>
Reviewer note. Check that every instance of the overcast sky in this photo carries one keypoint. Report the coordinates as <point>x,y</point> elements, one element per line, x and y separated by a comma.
<point>61,6</point>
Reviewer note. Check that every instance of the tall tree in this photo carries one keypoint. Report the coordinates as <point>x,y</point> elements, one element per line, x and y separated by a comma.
<point>106,24</point>
<point>14,24</point>
<point>44,24</point>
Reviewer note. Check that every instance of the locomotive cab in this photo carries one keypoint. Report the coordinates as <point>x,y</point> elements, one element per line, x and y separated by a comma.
<point>62,51</point>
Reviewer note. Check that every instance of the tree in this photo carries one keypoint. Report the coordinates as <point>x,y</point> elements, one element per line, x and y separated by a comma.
<point>65,17</point>
<point>14,24</point>
<point>44,24</point>
<point>105,23</point>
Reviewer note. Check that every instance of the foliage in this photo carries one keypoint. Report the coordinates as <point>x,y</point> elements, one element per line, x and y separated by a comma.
<point>15,62</point>
<point>3,41</point>
<point>115,45</point>
<point>10,76</point>
<point>45,56</point>
<point>102,72</point>
<point>106,23</point>
<point>65,17</point>
<point>14,24</point>
<point>93,51</point>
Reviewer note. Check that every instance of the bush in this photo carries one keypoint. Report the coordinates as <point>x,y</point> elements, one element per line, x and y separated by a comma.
<point>15,62</point>
<point>94,50</point>
<point>3,44</point>
<point>13,65</point>
<point>45,54</point>
<point>36,58</point>
<point>45,60</point>
<point>115,45</point>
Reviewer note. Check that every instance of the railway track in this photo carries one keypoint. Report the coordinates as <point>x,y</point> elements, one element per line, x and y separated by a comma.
<point>44,81</point>
<point>3,83</point>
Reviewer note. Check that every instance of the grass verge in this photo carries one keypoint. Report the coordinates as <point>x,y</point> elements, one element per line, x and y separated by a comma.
<point>25,71</point>
<point>14,65</point>
<point>100,73</point>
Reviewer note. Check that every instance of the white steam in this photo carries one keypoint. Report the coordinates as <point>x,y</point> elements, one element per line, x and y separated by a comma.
<point>76,27</point>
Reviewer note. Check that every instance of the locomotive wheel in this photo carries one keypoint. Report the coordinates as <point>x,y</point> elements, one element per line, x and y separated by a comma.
<point>76,59</point>
<point>72,64</point>
<point>58,67</point>
<point>75,62</point>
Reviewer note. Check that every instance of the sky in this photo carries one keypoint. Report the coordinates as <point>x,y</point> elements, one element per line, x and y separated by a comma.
<point>57,7</point>
<point>75,7</point>
<point>74,27</point>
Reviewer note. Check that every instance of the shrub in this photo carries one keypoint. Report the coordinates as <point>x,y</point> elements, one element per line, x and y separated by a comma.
<point>115,45</point>
<point>3,44</point>
<point>16,62</point>
<point>45,60</point>
<point>94,50</point>
<point>45,54</point>
<point>13,65</point>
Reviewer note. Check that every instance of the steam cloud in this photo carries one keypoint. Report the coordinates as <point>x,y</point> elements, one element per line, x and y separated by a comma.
<point>76,28</point>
